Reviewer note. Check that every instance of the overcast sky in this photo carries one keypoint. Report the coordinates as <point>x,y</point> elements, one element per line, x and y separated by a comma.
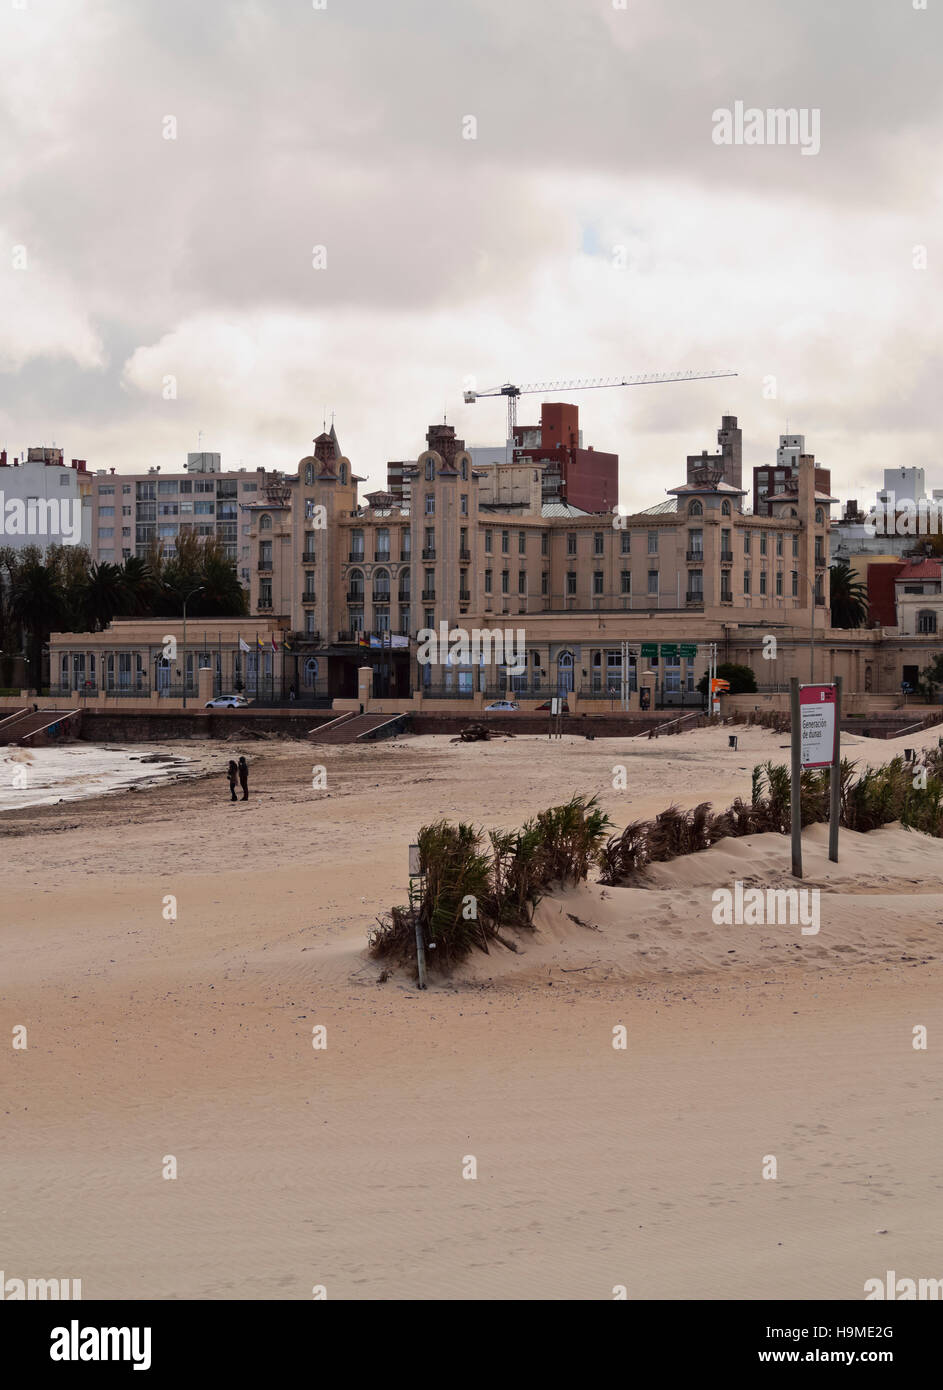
<point>592,228</point>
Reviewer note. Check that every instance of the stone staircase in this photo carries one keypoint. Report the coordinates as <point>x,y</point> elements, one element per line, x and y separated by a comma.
<point>27,727</point>
<point>354,728</point>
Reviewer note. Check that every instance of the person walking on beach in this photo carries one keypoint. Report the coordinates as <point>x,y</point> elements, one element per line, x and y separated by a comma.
<point>244,778</point>
<point>233,774</point>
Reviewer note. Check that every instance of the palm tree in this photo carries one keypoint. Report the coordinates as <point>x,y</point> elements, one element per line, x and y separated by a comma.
<point>137,586</point>
<point>37,604</point>
<point>102,595</point>
<point>849,596</point>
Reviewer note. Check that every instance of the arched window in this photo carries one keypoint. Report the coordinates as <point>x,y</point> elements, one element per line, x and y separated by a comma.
<point>564,673</point>
<point>926,620</point>
<point>381,586</point>
<point>695,509</point>
<point>355,586</point>
<point>342,473</point>
<point>725,507</point>
<point>265,522</point>
<point>464,469</point>
<point>309,474</point>
<point>310,670</point>
<point>819,516</point>
<point>404,585</point>
<point>430,469</point>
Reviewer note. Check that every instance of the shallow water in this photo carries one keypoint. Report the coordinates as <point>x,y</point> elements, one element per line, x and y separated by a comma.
<point>43,776</point>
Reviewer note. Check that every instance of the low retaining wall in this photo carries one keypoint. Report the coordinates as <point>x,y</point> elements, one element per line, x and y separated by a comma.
<point>151,726</point>
<point>599,725</point>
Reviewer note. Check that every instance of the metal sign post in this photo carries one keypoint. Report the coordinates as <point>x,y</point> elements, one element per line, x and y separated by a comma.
<point>415,871</point>
<point>815,743</point>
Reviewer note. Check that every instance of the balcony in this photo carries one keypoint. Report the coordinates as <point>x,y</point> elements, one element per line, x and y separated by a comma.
<point>464,557</point>
<point>695,557</point>
<point>402,599</point>
<point>355,595</point>
<point>726,596</point>
<point>820,562</point>
<point>428,595</point>
<point>265,566</point>
<point>346,638</point>
<point>308,557</point>
<point>382,557</point>
<point>381,595</point>
<point>694,596</point>
<point>428,552</point>
<point>356,557</point>
<point>726,557</point>
<point>405,556</point>
<point>309,597</point>
<point>464,596</point>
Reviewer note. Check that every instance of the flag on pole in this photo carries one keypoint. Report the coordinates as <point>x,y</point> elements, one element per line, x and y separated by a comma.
<point>244,646</point>
<point>259,643</point>
<point>274,644</point>
<point>287,645</point>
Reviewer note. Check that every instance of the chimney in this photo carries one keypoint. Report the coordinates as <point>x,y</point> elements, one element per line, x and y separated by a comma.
<point>3,458</point>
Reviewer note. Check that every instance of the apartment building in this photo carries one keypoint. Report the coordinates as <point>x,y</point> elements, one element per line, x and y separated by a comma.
<point>43,501</point>
<point>133,512</point>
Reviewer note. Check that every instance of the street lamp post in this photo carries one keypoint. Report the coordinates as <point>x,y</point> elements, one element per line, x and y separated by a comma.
<point>186,599</point>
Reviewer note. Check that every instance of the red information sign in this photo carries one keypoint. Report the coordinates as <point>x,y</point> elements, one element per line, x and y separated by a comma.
<point>818,728</point>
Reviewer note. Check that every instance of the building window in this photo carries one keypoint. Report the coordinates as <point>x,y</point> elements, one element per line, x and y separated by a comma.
<point>746,542</point>
<point>597,582</point>
<point>505,542</point>
<point>430,469</point>
<point>522,542</point>
<point>488,574</point>
<point>762,581</point>
<point>571,542</point>
<point>430,504</point>
<point>795,583</point>
<point>545,543</point>
<point>695,509</point>
<point>505,581</point>
<point>463,504</point>
<point>762,542</point>
<point>653,581</point>
<point>819,517</point>
<point>626,545</point>
<point>795,547</point>
<point>653,542</point>
<point>488,539</point>
<point>522,581</point>
<point>926,621</point>
<point>746,581</point>
<point>598,541</point>
<point>545,582</point>
<point>571,583</point>
<point>265,521</point>
<point>779,583</point>
<point>625,582</point>
<point>779,546</point>
<point>725,508</point>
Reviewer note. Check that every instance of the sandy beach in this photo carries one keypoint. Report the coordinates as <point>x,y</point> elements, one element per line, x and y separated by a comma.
<point>343,1166</point>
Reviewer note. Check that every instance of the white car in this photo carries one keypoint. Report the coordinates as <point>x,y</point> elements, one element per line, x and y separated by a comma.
<point>227,702</point>
<point>502,705</point>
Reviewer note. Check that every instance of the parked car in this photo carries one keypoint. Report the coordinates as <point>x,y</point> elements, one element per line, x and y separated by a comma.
<point>227,702</point>
<point>498,705</point>
<point>547,705</point>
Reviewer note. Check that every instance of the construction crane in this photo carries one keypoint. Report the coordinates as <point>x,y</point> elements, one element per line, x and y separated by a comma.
<point>588,384</point>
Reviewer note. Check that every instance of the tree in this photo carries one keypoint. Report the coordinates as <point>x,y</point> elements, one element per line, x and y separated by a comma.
<point>199,563</point>
<point>37,604</point>
<point>741,678</point>
<point>849,596</point>
<point>138,587</point>
<point>102,595</point>
<point>931,678</point>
